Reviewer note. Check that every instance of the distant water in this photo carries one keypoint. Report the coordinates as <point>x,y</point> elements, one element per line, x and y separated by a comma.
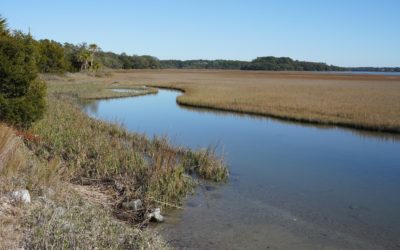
<point>292,186</point>
<point>361,73</point>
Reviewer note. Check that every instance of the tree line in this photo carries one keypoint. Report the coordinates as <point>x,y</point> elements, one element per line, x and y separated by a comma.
<point>287,64</point>
<point>56,57</point>
<point>266,63</point>
<point>260,63</point>
<point>202,64</point>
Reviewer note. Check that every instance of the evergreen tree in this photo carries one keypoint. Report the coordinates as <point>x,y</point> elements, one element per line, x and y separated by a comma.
<point>22,95</point>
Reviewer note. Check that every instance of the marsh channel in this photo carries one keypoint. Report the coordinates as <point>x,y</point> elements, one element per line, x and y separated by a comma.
<point>291,185</point>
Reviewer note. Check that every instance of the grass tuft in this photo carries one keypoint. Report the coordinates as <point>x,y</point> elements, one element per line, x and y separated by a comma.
<point>207,165</point>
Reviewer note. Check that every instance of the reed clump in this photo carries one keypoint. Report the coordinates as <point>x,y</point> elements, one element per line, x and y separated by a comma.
<point>206,164</point>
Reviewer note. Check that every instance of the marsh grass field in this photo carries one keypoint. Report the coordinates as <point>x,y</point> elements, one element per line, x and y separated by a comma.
<point>369,102</point>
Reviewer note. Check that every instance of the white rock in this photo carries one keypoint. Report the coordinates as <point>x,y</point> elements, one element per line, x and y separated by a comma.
<point>22,196</point>
<point>156,215</point>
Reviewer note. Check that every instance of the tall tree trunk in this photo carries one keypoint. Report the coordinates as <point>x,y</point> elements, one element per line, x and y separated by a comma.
<point>91,61</point>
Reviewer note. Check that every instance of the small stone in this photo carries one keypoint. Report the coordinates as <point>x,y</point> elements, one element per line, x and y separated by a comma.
<point>133,205</point>
<point>22,196</point>
<point>156,215</point>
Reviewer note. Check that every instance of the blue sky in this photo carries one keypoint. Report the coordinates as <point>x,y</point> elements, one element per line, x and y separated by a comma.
<point>340,32</point>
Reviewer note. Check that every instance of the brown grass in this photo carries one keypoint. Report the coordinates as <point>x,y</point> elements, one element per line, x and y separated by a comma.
<point>10,158</point>
<point>87,87</point>
<point>61,215</point>
<point>19,170</point>
<point>73,221</point>
<point>13,160</point>
<point>9,153</point>
<point>362,101</point>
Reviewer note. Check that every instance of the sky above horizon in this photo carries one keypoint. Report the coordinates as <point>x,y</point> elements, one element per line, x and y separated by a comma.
<point>340,32</point>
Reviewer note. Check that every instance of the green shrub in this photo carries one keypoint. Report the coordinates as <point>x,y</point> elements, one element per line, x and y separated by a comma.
<point>22,96</point>
<point>23,111</point>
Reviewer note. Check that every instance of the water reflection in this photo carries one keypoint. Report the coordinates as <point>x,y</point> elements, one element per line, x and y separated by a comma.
<point>91,106</point>
<point>385,136</point>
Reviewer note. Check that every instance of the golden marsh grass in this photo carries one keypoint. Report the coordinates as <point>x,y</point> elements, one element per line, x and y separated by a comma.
<point>361,101</point>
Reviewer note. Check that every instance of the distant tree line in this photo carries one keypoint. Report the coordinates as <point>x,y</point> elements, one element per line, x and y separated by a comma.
<point>266,63</point>
<point>54,57</point>
<point>202,64</point>
<point>260,63</point>
<point>287,64</point>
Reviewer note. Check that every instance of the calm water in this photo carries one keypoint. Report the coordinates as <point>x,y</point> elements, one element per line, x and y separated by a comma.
<point>360,73</point>
<point>292,186</point>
